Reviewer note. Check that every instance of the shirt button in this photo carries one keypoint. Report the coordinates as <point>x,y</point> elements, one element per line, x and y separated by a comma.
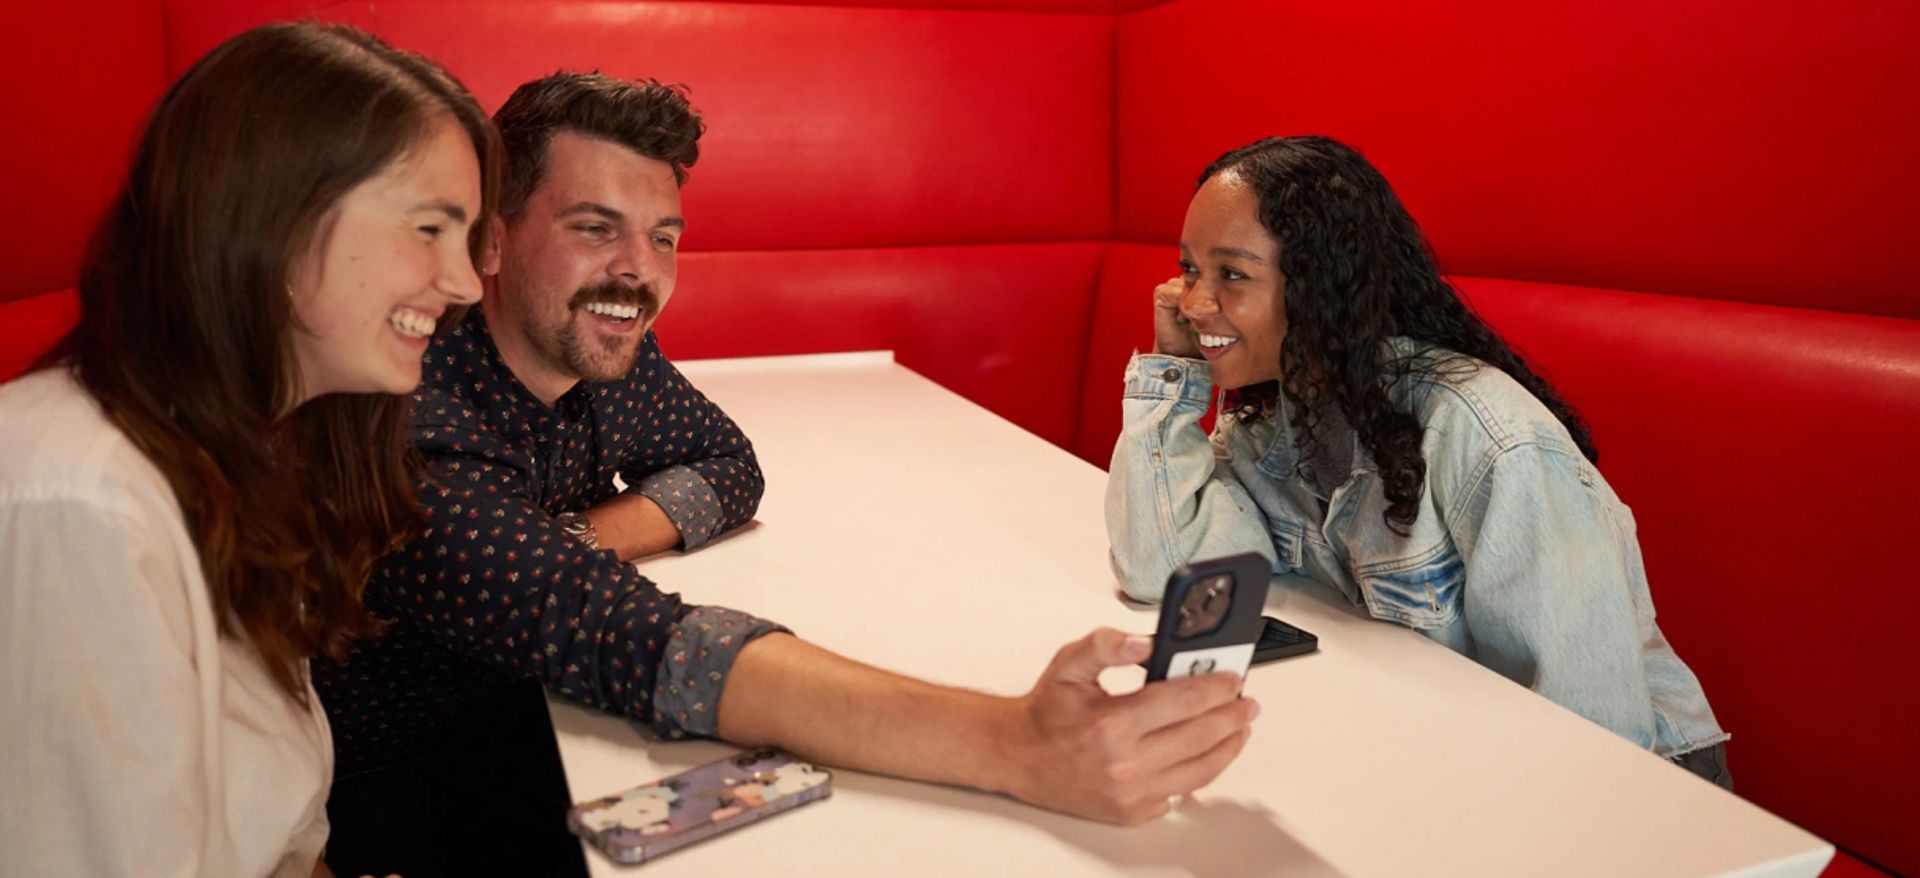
<point>1172,375</point>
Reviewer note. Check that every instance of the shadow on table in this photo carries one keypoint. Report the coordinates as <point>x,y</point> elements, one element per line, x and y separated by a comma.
<point>1206,838</point>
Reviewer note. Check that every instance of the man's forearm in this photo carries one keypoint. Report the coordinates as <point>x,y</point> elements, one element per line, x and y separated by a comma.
<point>633,526</point>
<point>789,693</point>
<point>1068,744</point>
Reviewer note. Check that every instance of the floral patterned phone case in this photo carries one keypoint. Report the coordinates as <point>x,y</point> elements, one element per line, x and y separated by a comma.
<point>650,820</point>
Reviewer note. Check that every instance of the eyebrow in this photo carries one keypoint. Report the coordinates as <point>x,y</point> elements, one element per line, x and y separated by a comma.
<point>453,211</point>
<point>1237,253</point>
<point>599,210</point>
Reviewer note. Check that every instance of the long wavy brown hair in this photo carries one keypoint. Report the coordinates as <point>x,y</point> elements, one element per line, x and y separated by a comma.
<point>186,318</point>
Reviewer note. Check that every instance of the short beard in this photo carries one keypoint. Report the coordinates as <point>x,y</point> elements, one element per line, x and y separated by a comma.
<point>611,358</point>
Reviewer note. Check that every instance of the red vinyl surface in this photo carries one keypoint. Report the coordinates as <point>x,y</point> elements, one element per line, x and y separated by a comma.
<point>1003,325</point>
<point>1768,456</point>
<point>849,128</point>
<point>76,95</point>
<point>1758,151</point>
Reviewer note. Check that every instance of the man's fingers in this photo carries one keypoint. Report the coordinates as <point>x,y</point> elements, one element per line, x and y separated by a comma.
<point>1082,660</point>
<point>1177,743</point>
<point>1159,705</point>
<point>1199,771</point>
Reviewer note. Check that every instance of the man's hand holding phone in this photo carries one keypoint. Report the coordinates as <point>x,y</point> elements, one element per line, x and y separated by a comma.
<point>1123,758</point>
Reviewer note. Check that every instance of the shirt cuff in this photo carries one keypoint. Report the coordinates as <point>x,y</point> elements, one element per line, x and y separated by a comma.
<point>1157,376</point>
<point>689,502</point>
<point>694,667</point>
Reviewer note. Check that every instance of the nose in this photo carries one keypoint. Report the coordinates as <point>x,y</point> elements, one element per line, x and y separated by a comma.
<point>1198,301</point>
<point>458,281</point>
<point>637,262</point>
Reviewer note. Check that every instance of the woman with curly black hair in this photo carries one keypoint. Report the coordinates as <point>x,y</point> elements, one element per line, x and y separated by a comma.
<point>1379,438</point>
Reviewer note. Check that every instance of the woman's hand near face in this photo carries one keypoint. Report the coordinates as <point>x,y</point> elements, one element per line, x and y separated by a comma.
<point>1171,335</point>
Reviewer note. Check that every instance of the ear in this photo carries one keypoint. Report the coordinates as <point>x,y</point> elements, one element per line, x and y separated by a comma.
<point>490,259</point>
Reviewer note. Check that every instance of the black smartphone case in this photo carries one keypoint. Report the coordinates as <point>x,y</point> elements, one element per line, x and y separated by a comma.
<point>1243,622</point>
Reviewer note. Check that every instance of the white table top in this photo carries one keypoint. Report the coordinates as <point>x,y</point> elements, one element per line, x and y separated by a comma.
<point>906,527</point>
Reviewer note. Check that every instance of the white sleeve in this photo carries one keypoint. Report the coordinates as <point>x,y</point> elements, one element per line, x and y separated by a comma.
<point>103,728</point>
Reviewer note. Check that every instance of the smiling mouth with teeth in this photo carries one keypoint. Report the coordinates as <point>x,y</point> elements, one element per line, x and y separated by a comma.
<point>1214,341</point>
<point>621,313</point>
<point>411,323</point>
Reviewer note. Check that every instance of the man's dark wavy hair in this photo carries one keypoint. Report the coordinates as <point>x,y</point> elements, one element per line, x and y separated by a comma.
<point>652,119</point>
<point>1357,272</point>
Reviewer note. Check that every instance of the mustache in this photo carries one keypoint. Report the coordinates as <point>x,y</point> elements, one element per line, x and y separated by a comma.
<point>616,293</point>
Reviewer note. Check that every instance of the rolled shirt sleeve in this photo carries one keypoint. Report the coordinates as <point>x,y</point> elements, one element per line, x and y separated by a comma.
<point>689,457</point>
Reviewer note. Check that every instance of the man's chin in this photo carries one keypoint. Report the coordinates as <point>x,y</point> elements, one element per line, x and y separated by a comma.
<point>605,365</point>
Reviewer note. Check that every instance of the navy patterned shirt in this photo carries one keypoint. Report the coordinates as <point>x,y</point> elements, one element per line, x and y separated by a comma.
<point>496,590</point>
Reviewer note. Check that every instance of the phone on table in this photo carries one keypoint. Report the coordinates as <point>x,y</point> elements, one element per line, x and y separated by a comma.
<point>1279,640</point>
<point>1210,617</point>
<point>652,819</point>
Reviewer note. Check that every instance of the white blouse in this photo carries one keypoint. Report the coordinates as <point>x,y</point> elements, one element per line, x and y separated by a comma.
<point>134,739</point>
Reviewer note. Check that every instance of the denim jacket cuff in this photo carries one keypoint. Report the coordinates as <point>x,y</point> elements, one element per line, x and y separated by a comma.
<point>1157,376</point>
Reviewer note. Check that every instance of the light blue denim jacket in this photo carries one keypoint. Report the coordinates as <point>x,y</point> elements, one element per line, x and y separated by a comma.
<point>1522,557</point>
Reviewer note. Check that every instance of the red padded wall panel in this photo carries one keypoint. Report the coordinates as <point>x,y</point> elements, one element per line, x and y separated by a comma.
<point>1758,150</point>
<point>1773,494</point>
<point>1122,324</point>
<point>80,80</point>
<point>828,127</point>
<point>1003,325</point>
<point>1083,6</point>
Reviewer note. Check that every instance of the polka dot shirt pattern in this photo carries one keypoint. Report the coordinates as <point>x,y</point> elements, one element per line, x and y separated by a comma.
<point>496,590</point>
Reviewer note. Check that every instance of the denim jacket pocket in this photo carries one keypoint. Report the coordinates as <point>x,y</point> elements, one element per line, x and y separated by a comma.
<point>1289,541</point>
<point>1421,594</point>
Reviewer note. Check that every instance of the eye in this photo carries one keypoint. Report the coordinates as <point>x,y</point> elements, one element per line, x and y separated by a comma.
<point>431,231</point>
<point>1231,273</point>
<point>666,243</point>
<point>598,230</point>
<point>1188,269</point>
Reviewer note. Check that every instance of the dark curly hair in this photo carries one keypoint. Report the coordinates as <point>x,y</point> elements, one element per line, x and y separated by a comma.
<point>1357,272</point>
<point>652,119</point>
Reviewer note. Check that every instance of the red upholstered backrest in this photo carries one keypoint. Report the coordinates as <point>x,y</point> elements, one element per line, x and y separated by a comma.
<point>79,81</point>
<point>1768,456</point>
<point>76,94</point>
<point>1759,151</point>
<point>850,151</point>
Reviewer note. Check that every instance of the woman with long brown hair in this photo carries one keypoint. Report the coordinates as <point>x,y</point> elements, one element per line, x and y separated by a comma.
<point>196,482</point>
